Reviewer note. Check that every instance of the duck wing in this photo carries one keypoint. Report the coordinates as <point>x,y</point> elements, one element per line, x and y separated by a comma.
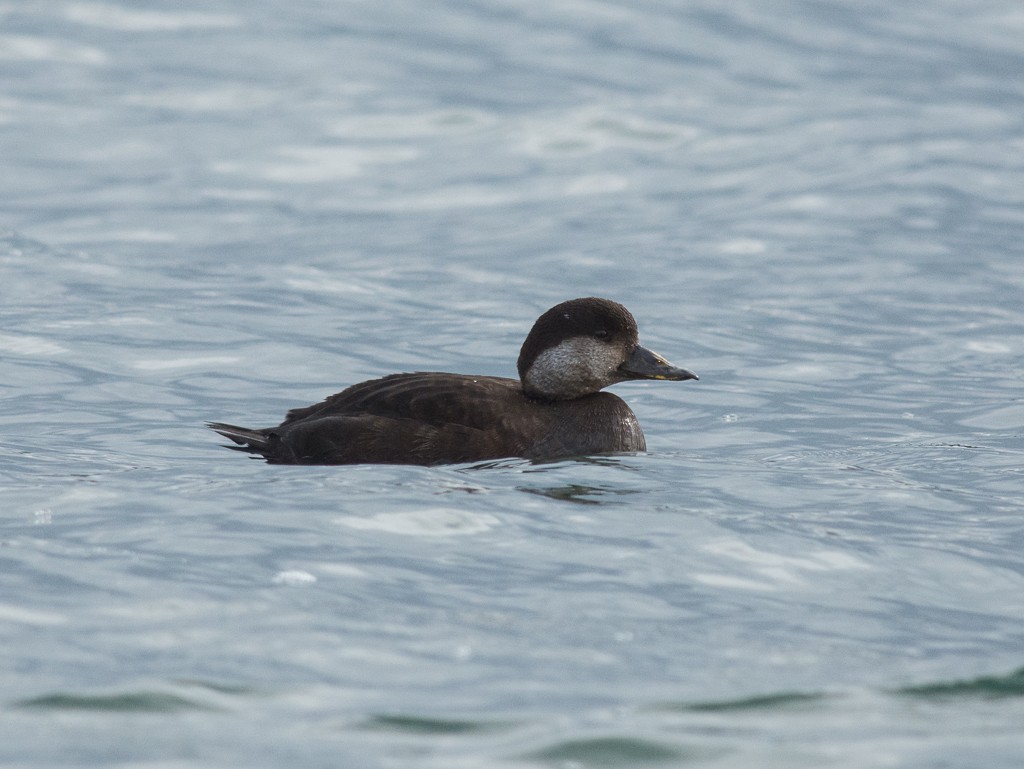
<point>433,398</point>
<point>422,418</point>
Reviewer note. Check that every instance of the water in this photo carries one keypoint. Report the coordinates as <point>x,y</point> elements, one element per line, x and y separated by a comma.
<point>225,210</point>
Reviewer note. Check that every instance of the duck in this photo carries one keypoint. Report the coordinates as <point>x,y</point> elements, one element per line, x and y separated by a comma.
<point>556,409</point>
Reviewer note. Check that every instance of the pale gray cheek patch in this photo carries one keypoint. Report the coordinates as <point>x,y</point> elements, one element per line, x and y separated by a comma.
<point>573,368</point>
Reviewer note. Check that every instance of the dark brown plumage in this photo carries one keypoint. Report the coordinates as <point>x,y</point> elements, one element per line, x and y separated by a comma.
<point>573,350</point>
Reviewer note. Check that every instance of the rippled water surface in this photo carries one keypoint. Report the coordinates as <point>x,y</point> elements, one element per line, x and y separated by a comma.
<point>223,210</point>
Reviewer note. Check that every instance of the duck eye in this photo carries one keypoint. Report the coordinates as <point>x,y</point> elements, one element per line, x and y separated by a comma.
<point>601,334</point>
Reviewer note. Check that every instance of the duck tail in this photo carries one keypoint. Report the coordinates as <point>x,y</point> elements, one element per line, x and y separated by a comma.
<point>255,441</point>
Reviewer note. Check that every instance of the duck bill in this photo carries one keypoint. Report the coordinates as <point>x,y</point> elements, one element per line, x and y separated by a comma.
<point>647,364</point>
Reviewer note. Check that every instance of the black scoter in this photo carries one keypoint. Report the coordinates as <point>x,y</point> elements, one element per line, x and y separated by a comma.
<point>555,409</point>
